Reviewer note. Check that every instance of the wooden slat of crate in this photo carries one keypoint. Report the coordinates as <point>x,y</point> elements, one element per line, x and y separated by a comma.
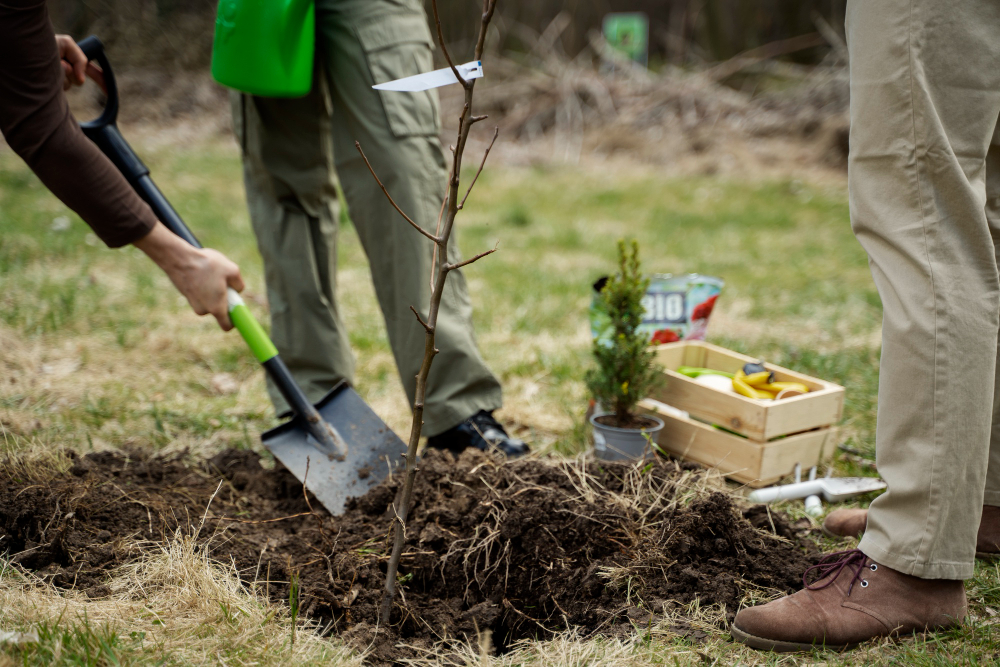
<point>754,463</point>
<point>759,420</point>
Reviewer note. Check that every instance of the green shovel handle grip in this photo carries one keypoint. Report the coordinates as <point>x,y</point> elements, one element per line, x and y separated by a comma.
<point>258,341</point>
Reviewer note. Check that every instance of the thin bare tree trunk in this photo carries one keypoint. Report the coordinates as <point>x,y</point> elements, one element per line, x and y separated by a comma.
<point>440,269</point>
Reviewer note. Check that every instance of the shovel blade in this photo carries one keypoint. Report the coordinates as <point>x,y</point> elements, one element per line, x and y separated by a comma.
<point>374,452</point>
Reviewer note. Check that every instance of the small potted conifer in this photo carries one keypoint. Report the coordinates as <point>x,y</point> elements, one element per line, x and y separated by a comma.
<point>625,370</point>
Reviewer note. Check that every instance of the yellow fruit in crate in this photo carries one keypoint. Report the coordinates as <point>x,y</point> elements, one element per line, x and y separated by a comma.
<point>760,384</point>
<point>741,386</point>
<point>778,387</point>
<point>758,379</point>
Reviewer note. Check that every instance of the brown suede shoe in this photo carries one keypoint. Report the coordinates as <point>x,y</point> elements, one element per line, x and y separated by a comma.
<point>988,538</point>
<point>845,523</point>
<point>853,600</point>
<point>851,523</point>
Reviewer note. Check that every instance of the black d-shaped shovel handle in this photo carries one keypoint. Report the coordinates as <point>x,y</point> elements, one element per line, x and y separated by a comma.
<point>103,131</point>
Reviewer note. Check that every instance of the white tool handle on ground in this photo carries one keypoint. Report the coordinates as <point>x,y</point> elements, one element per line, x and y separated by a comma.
<point>833,489</point>
<point>787,492</point>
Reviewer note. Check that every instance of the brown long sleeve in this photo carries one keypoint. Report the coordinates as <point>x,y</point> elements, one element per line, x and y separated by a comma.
<point>36,122</point>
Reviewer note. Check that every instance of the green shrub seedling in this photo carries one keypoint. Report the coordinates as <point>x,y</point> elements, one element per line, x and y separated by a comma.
<point>625,371</point>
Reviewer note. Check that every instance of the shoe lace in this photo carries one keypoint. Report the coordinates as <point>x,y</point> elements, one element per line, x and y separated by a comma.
<point>833,564</point>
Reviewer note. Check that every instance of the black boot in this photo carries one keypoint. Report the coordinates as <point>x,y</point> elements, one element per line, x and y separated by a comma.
<point>482,432</point>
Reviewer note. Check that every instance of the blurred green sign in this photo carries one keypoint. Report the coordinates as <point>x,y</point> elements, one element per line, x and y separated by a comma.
<point>629,35</point>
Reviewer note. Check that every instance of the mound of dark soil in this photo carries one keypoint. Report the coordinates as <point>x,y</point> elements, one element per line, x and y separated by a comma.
<point>523,549</point>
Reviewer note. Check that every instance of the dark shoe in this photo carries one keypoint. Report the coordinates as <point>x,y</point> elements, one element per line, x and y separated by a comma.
<point>988,538</point>
<point>482,432</point>
<point>851,523</point>
<point>846,523</point>
<point>853,600</point>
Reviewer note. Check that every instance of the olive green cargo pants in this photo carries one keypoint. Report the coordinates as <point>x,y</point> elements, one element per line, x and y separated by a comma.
<point>294,149</point>
<point>924,177</point>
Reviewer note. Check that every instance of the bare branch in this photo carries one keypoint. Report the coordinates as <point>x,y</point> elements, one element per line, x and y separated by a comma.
<point>452,267</point>
<point>476,119</point>
<point>496,131</point>
<point>437,249</point>
<point>488,7</point>
<point>417,227</point>
<point>447,56</point>
<point>440,272</point>
<point>426,326</point>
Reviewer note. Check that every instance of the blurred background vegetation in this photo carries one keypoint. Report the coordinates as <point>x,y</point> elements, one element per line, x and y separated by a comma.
<point>178,33</point>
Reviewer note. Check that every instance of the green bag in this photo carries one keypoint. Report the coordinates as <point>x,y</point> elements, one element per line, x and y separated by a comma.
<point>265,47</point>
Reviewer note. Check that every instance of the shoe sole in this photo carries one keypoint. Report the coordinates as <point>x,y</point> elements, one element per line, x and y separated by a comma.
<point>762,644</point>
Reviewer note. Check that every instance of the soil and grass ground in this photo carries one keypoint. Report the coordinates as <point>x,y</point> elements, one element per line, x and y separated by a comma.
<point>122,412</point>
<point>518,551</point>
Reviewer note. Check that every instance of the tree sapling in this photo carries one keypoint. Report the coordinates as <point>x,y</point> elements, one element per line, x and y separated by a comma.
<point>440,268</point>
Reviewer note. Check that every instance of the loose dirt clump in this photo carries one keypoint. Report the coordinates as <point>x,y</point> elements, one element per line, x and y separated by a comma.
<point>523,549</point>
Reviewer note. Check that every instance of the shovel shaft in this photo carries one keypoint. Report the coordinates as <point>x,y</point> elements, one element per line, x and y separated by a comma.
<point>147,189</point>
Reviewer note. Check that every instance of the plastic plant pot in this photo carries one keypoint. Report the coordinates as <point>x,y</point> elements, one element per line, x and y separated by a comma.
<point>624,444</point>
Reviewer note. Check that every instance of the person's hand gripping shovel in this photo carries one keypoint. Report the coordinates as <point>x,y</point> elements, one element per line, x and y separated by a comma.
<point>343,444</point>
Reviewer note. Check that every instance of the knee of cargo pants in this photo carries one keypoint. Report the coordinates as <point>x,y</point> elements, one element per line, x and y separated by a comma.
<point>293,211</point>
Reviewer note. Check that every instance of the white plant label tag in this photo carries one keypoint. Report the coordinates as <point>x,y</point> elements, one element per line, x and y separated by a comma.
<point>439,77</point>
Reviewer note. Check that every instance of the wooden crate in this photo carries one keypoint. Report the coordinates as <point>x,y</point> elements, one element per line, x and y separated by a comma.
<point>757,420</point>
<point>741,459</point>
<point>776,434</point>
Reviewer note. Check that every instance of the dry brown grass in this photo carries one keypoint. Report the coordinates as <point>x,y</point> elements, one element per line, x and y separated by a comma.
<point>187,608</point>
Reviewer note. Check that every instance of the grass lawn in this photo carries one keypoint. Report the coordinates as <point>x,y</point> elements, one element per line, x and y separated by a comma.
<point>97,350</point>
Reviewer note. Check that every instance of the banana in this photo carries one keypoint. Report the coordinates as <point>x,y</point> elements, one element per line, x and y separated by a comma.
<point>758,379</point>
<point>778,387</point>
<point>740,386</point>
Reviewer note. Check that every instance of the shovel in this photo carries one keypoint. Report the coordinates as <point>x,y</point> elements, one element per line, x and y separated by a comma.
<point>338,448</point>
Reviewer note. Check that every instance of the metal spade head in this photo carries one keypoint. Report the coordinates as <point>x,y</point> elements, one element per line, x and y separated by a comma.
<point>374,452</point>
<point>839,489</point>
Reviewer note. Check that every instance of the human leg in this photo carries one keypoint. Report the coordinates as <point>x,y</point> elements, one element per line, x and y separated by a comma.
<point>366,42</point>
<point>291,197</point>
<point>851,523</point>
<point>925,94</point>
<point>992,494</point>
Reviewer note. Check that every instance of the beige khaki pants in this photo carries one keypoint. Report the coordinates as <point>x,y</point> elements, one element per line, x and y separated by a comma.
<point>924,174</point>
<point>293,151</point>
